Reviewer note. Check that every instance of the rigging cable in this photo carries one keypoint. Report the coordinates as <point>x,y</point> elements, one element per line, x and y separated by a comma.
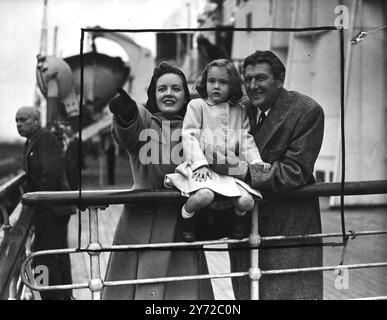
<point>80,142</point>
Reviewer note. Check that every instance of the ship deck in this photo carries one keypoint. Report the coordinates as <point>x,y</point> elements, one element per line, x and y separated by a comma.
<point>361,282</point>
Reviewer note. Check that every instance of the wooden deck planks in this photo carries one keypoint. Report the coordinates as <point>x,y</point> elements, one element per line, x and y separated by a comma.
<point>363,249</point>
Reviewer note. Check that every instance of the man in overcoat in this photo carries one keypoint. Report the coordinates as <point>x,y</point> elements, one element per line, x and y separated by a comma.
<point>43,163</point>
<point>288,130</point>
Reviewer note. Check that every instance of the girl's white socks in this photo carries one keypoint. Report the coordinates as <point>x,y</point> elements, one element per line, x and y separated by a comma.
<point>185,214</point>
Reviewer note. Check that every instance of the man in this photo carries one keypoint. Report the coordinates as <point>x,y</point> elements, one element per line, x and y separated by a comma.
<point>288,130</point>
<point>44,165</point>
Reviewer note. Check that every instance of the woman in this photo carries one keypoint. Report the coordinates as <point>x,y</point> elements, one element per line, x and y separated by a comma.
<point>133,124</point>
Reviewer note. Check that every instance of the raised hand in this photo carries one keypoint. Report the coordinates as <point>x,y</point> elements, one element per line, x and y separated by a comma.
<point>123,106</point>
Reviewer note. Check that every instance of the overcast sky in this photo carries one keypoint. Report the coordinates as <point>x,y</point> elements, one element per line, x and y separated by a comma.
<point>20,28</point>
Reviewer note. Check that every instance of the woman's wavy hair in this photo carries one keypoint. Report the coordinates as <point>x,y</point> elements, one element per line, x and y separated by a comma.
<point>236,92</point>
<point>162,69</point>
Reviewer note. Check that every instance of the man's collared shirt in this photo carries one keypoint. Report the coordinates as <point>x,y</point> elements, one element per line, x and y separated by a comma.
<point>259,113</point>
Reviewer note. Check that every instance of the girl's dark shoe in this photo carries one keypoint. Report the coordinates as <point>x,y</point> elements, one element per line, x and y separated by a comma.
<point>188,228</point>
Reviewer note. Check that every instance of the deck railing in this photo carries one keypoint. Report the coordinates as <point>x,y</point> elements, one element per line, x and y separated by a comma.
<point>14,233</point>
<point>95,200</point>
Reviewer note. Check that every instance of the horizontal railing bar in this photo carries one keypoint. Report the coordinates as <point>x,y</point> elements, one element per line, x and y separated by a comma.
<point>136,246</point>
<point>176,244</point>
<point>372,298</point>
<point>180,278</point>
<point>324,235</point>
<point>245,240</point>
<point>203,276</point>
<point>106,197</point>
<point>100,197</point>
<point>334,189</point>
<point>12,183</point>
<point>327,268</point>
<point>203,243</point>
<point>139,281</point>
<point>83,285</point>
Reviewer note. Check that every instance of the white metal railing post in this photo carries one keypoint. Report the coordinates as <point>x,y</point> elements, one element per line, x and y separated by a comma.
<point>95,283</point>
<point>12,293</point>
<point>254,240</point>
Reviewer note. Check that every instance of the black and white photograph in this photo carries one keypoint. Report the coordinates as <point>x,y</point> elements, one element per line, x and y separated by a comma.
<point>193,150</point>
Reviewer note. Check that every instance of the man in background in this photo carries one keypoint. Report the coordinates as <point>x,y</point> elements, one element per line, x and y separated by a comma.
<point>43,163</point>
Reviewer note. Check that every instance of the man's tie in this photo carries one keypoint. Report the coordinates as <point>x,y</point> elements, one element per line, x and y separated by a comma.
<point>261,118</point>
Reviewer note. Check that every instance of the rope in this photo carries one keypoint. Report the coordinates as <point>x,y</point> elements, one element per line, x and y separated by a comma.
<point>353,236</point>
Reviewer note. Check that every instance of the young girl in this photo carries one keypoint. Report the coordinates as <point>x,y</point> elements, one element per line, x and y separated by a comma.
<point>217,148</point>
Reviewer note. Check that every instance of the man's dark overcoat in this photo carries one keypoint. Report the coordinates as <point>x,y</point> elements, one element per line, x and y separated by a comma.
<point>43,163</point>
<point>290,139</point>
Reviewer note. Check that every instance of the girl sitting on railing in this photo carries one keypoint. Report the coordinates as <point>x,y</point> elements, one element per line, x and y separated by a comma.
<point>218,148</point>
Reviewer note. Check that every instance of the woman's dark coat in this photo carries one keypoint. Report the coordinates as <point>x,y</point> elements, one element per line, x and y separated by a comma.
<point>152,223</point>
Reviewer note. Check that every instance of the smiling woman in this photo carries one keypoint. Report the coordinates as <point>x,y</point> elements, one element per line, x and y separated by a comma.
<point>168,96</point>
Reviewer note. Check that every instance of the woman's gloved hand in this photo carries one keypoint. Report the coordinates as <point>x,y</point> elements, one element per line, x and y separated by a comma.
<point>123,106</point>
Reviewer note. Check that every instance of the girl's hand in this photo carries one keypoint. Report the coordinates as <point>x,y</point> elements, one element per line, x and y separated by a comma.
<point>201,174</point>
<point>266,167</point>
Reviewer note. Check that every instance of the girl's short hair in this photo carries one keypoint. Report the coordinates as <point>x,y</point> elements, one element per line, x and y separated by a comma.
<point>162,69</point>
<point>236,92</point>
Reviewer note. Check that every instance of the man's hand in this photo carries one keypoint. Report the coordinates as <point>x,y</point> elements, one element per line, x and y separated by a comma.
<point>123,106</point>
<point>201,174</point>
